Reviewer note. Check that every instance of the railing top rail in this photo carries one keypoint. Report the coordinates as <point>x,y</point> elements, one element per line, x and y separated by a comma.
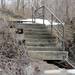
<point>51,13</point>
<point>54,15</point>
<point>52,18</point>
<point>39,8</point>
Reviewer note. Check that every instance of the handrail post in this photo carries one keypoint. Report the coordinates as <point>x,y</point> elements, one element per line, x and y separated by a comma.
<point>63,39</point>
<point>43,14</point>
<point>32,13</point>
<point>51,23</point>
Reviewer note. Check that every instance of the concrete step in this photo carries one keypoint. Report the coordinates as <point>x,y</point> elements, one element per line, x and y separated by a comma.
<point>39,48</point>
<point>40,36</point>
<point>36,33</point>
<point>34,24</point>
<point>37,40</point>
<point>35,30</point>
<point>49,55</point>
<point>41,43</point>
<point>30,26</point>
<point>36,27</point>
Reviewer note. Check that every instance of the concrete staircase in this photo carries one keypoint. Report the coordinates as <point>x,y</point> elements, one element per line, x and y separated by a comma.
<point>40,43</point>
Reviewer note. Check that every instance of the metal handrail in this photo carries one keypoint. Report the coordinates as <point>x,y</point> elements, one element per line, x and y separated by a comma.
<point>50,12</point>
<point>54,15</point>
<point>61,38</point>
<point>39,8</point>
<point>55,28</point>
<point>59,33</point>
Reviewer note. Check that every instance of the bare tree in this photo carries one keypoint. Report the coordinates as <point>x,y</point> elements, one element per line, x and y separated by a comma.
<point>3,3</point>
<point>18,4</point>
<point>67,11</point>
<point>23,6</point>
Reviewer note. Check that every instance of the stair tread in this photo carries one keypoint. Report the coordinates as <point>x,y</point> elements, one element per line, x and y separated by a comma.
<point>37,30</point>
<point>36,33</point>
<point>40,47</point>
<point>48,55</point>
<point>31,26</point>
<point>34,24</point>
<point>41,40</point>
<point>43,49</point>
<point>40,43</point>
<point>40,37</point>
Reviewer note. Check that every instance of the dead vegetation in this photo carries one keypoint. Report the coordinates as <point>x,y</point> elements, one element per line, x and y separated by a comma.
<point>14,58</point>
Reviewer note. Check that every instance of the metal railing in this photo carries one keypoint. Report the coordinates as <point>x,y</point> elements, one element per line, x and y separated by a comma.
<point>45,13</point>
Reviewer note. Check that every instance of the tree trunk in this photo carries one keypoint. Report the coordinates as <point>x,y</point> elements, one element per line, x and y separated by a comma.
<point>18,4</point>
<point>3,3</point>
<point>67,11</point>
